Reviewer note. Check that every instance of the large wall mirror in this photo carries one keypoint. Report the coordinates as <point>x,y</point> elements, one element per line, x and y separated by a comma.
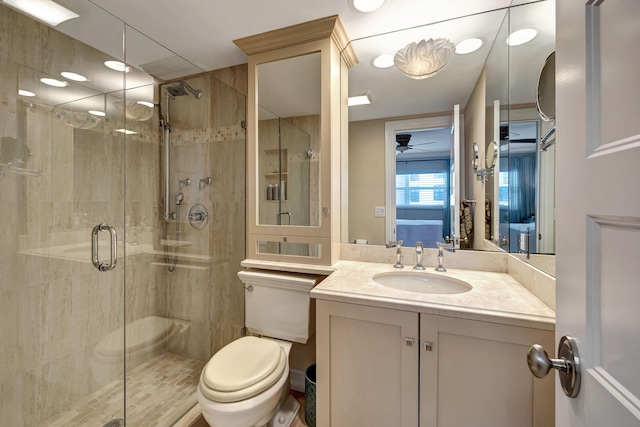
<point>511,191</point>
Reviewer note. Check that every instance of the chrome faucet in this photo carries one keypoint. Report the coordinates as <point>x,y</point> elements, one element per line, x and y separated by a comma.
<point>450,246</point>
<point>398,245</point>
<point>419,250</point>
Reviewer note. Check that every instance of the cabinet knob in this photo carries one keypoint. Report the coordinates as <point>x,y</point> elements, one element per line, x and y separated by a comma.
<point>408,341</point>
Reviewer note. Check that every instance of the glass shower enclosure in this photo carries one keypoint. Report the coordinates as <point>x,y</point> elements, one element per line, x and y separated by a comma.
<point>92,324</point>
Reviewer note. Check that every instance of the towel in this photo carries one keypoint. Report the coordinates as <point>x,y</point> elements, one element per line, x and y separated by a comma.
<point>487,219</point>
<point>466,224</point>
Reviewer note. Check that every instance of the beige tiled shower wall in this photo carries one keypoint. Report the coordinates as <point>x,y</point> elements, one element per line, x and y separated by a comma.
<point>208,140</point>
<point>55,308</point>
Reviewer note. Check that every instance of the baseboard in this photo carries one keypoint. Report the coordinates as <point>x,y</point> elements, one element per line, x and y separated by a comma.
<point>297,380</point>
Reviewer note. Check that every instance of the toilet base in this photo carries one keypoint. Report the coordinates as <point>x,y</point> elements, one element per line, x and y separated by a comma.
<point>287,413</point>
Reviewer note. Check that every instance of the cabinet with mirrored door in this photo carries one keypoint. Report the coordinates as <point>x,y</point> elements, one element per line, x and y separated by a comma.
<point>296,122</point>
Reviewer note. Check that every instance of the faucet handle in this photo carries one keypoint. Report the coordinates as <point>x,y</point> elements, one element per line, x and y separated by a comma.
<point>397,244</point>
<point>394,243</point>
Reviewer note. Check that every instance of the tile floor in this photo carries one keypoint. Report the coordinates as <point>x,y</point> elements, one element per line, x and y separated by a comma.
<point>159,392</point>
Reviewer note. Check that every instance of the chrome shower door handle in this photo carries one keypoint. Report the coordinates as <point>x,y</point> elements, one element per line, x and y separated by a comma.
<point>94,247</point>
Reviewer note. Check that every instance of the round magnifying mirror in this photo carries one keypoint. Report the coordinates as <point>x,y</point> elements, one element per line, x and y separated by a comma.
<point>492,154</point>
<point>476,157</point>
<point>546,91</point>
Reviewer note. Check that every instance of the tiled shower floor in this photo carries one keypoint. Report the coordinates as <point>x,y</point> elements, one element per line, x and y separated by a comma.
<point>158,393</point>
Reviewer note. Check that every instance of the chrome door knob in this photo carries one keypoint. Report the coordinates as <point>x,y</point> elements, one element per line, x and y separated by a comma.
<point>567,364</point>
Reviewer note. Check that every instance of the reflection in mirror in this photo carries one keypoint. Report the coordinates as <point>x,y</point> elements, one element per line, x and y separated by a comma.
<point>531,169</point>
<point>476,157</point>
<point>491,155</point>
<point>500,77</point>
<point>288,141</point>
<point>422,186</point>
<point>312,250</point>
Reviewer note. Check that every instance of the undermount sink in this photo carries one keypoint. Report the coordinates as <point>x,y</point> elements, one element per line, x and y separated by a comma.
<point>423,283</point>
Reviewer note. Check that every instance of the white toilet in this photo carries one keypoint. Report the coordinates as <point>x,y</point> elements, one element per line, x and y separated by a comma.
<point>246,383</point>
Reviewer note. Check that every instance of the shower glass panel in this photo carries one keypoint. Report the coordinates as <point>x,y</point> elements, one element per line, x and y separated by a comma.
<point>86,347</point>
<point>62,174</point>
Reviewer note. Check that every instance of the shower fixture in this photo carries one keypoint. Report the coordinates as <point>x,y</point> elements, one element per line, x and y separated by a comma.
<point>206,181</point>
<point>181,88</point>
<point>186,181</point>
<point>179,198</point>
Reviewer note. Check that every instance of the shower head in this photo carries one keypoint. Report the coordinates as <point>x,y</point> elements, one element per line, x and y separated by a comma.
<point>181,88</point>
<point>179,198</point>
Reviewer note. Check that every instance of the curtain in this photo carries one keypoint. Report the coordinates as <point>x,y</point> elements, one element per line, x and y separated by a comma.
<point>522,188</point>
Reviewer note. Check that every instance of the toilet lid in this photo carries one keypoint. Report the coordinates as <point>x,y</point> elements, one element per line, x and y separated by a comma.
<point>243,369</point>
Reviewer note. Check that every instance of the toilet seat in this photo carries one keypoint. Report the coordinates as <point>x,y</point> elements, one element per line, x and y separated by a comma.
<point>242,369</point>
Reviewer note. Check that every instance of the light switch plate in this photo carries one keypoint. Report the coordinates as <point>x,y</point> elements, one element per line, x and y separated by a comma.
<point>379,212</point>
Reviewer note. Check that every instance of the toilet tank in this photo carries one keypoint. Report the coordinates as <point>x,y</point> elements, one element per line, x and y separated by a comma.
<point>277,304</point>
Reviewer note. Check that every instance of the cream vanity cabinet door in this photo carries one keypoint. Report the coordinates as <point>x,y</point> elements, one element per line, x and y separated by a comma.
<point>475,374</point>
<point>367,366</point>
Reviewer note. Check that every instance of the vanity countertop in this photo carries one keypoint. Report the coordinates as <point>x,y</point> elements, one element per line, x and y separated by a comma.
<point>495,297</point>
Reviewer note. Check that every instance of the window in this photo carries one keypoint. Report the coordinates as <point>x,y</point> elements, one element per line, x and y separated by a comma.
<point>503,188</point>
<point>421,189</point>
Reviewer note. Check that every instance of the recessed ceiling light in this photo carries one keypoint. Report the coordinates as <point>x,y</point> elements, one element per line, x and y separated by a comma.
<point>383,61</point>
<point>521,36</point>
<point>46,11</point>
<point>118,66</point>
<point>468,46</point>
<point>126,131</point>
<point>366,6</point>
<point>54,82</point>
<point>358,100</point>
<point>146,103</point>
<point>73,76</point>
<point>97,113</point>
<point>23,92</point>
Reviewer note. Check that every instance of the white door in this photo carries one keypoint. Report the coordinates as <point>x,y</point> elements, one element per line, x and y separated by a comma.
<point>456,176</point>
<point>598,207</point>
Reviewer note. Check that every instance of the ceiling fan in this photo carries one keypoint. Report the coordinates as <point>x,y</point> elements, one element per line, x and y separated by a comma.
<point>402,144</point>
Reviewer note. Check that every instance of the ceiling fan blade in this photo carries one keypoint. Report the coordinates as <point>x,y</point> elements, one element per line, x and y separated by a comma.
<point>424,143</point>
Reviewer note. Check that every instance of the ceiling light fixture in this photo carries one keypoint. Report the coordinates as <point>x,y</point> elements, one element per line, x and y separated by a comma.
<point>468,46</point>
<point>97,113</point>
<point>73,76</point>
<point>358,100</point>
<point>522,36</point>
<point>117,66</point>
<point>366,6</point>
<point>383,61</point>
<point>54,82</point>
<point>425,58</point>
<point>46,11</point>
<point>23,92</point>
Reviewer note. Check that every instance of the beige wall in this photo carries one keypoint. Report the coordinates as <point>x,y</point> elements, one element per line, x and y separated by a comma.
<point>366,180</point>
<point>208,140</point>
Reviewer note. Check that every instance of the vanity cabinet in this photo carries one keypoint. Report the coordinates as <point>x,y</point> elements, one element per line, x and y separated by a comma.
<point>386,367</point>
<point>366,366</point>
<point>475,374</point>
